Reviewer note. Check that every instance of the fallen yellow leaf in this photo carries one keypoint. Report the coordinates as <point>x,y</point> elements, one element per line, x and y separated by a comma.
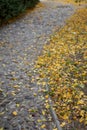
<point>43,112</point>
<point>17,105</point>
<point>43,126</point>
<point>47,96</point>
<point>14,113</point>
<point>63,124</point>
<point>35,94</point>
<point>39,120</point>
<point>80,102</point>
<point>16,86</point>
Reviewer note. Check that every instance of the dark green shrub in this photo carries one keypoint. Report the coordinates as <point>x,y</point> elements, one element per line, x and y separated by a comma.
<point>11,8</point>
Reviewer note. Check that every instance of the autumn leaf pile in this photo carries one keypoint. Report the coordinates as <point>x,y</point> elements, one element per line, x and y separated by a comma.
<point>64,64</point>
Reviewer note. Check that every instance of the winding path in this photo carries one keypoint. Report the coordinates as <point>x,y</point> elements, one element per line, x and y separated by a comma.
<point>21,100</point>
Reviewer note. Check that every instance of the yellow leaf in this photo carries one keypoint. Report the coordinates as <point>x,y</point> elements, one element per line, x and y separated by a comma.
<point>16,86</point>
<point>68,95</point>
<point>47,105</point>
<point>14,113</point>
<point>81,94</point>
<point>1,113</point>
<point>13,93</point>
<point>33,80</point>
<point>17,105</point>
<point>85,122</point>
<point>44,83</point>
<point>65,117</point>
<point>47,96</point>
<point>43,112</point>
<point>46,101</point>
<point>1,90</point>
<point>38,83</point>
<point>43,126</point>
<point>35,94</point>
<point>39,120</point>
<point>80,102</point>
<point>63,124</point>
<point>81,119</point>
<point>52,89</point>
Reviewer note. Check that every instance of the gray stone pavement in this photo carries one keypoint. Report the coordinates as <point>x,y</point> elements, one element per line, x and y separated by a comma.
<point>21,42</point>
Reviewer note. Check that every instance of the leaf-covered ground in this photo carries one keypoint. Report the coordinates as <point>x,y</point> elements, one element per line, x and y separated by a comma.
<point>75,2</point>
<point>22,103</point>
<point>64,64</point>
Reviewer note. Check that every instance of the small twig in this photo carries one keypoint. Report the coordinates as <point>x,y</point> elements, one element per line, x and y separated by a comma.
<point>55,118</point>
<point>53,113</point>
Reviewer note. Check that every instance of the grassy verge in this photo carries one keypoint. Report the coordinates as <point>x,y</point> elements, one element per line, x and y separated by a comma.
<point>64,64</point>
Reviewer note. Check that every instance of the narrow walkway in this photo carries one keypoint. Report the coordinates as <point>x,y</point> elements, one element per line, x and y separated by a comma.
<point>21,101</point>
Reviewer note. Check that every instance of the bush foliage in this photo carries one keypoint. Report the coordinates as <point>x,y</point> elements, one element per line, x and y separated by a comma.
<point>11,8</point>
